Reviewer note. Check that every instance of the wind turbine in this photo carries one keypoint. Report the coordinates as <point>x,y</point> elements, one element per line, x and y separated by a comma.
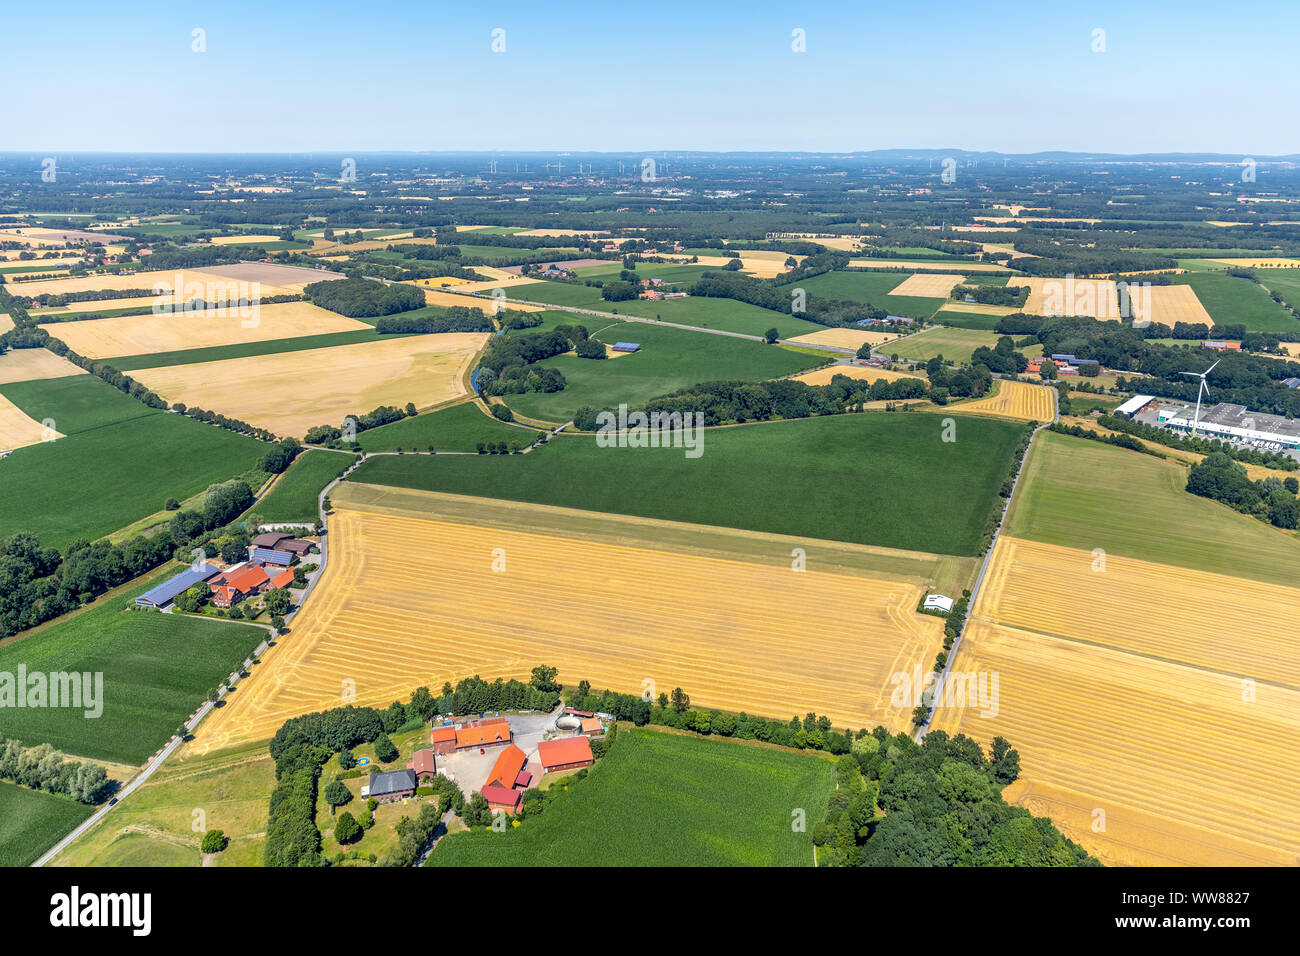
<point>1199,392</point>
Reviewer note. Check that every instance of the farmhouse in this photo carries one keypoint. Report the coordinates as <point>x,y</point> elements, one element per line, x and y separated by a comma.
<point>1221,346</point>
<point>566,753</point>
<point>510,764</point>
<point>238,583</point>
<point>164,593</point>
<point>489,732</point>
<point>391,786</point>
<point>424,764</point>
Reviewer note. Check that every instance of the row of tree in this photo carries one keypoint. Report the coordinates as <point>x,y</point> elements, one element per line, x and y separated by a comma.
<point>43,768</point>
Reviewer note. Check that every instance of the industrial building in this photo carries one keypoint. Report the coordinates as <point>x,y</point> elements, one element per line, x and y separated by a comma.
<point>1234,423</point>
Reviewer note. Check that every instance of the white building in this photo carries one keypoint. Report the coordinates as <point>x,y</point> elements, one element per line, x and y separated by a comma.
<point>1234,423</point>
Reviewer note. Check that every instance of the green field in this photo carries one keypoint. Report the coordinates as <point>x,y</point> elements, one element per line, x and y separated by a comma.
<point>966,320</point>
<point>955,345</point>
<point>676,275</point>
<point>296,496</point>
<point>1232,301</point>
<point>31,822</point>
<point>703,312</point>
<point>157,669</point>
<point>659,799</point>
<point>877,478</point>
<point>873,288</point>
<point>1286,282</point>
<point>669,359</point>
<point>458,428</point>
<point>1082,494</point>
<point>118,462</point>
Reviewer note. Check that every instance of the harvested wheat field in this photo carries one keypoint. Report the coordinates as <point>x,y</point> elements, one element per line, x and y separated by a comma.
<point>1031,403</point>
<point>1100,299</point>
<point>26,365</point>
<point>967,265</point>
<point>17,430</point>
<point>242,239</point>
<point>1125,691</point>
<point>845,338</point>
<point>486,285</point>
<point>866,373</point>
<point>147,334</point>
<point>284,393</point>
<point>6,323</point>
<point>1259,263</point>
<point>447,299</point>
<point>193,282</point>
<point>762,264</point>
<point>409,600</point>
<point>977,308</point>
<point>928,285</point>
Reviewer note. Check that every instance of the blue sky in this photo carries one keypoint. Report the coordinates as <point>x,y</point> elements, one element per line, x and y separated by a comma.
<point>1009,76</point>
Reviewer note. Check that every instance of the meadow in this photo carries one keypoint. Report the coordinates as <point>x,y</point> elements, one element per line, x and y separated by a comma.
<point>1233,301</point>
<point>31,822</point>
<point>955,345</point>
<point>219,353</point>
<point>119,461</point>
<point>295,496</point>
<point>458,428</point>
<point>659,799</point>
<point>157,669</point>
<point>669,359</point>
<point>873,288</point>
<point>874,478</point>
<point>1081,494</point>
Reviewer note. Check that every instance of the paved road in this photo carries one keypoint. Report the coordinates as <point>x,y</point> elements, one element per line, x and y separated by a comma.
<point>922,730</point>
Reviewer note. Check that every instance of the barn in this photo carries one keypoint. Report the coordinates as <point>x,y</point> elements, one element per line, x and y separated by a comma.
<point>566,753</point>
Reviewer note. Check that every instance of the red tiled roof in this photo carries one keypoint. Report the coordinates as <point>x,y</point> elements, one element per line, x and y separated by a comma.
<point>507,767</point>
<point>441,734</point>
<point>247,578</point>
<point>478,736</point>
<point>283,579</point>
<point>524,779</point>
<point>424,762</point>
<point>500,796</point>
<point>566,750</point>
<point>592,725</point>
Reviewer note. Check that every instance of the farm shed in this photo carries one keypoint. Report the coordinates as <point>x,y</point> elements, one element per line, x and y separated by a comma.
<point>173,587</point>
<point>567,753</point>
<point>268,556</point>
<point>424,764</point>
<point>501,798</point>
<point>626,346</point>
<point>1134,405</point>
<point>509,765</point>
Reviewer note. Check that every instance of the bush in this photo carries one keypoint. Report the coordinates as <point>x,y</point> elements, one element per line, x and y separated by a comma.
<point>347,830</point>
<point>214,841</point>
<point>503,413</point>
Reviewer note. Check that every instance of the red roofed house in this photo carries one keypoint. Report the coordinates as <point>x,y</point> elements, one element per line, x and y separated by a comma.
<point>223,596</point>
<point>283,580</point>
<point>501,798</point>
<point>566,753</point>
<point>233,586</point>
<point>592,727</point>
<point>483,734</point>
<point>508,767</point>
<point>424,764</point>
<point>444,740</point>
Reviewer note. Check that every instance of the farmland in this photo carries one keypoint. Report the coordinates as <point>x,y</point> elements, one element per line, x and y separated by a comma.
<point>951,487</point>
<point>1019,400</point>
<point>295,496</point>
<point>669,359</point>
<point>444,614</point>
<point>457,428</point>
<point>864,373</point>
<point>1231,300</point>
<point>270,391</point>
<point>955,345</point>
<point>141,456</point>
<point>665,800</point>
<point>157,669</point>
<point>1100,298</point>
<point>874,288</point>
<point>31,821</point>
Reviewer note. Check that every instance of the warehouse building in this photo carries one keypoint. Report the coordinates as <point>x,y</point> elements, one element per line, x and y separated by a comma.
<point>1234,423</point>
<point>170,589</point>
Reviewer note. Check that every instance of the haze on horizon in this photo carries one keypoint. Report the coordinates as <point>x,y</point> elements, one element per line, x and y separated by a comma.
<point>1012,77</point>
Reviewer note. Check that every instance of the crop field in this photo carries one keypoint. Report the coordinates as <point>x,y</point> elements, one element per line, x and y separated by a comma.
<point>219,353</point>
<point>1079,494</point>
<point>26,365</point>
<point>295,497</point>
<point>873,288</point>
<point>148,334</point>
<point>865,373</point>
<point>17,430</point>
<point>1100,299</point>
<point>141,457</point>
<point>1151,703</point>
<point>31,822</point>
<point>665,800</point>
<point>143,280</point>
<point>1031,403</point>
<point>966,320</point>
<point>669,359</point>
<point>955,345</point>
<point>951,486</point>
<point>763,264</point>
<point>845,338</point>
<point>928,285</point>
<point>445,300</point>
<point>458,428</point>
<point>1230,300</point>
<point>276,392</point>
<point>1260,262</point>
<point>157,669</point>
<point>967,265</point>
<point>154,825</point>
<point>433,610</point>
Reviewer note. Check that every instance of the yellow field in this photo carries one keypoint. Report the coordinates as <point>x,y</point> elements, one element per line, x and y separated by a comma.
<point>928,285</point>
<point>237,240</point>
<point>140,280</point>
<point>967,265</point>
<point>762,263</point>
<point>1099,298</point>
<point>506,281</point>
<point>845,338</point>
<point>25,365</point>
<point>447,299</point>
<point>842,243</point>
<point>1032,403</point>
<point>290,392</point>
<point>147,334</point>
<point>866,373</point>
<point>1124,692</point>
<point>6,323</point>
<point>1250,263</point>
<point>978,308</point>
<point>408,600</point>
<point>16,429</point>
<point>1291,348</point>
